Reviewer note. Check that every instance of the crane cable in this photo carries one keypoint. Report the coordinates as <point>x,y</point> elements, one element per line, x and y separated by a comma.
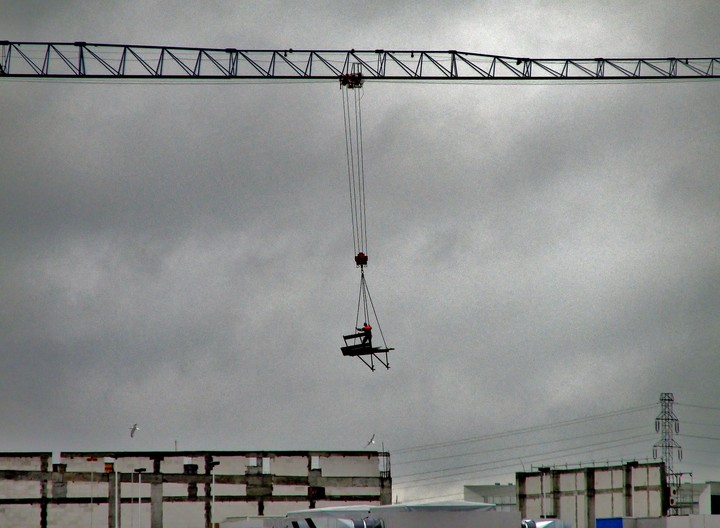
<point>365,303</point>
<point>352,117</point>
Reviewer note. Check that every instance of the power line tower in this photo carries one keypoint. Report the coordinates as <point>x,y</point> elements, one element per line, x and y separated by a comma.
<point>668,425</point>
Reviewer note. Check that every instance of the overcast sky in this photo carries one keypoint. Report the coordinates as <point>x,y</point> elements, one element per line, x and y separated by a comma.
<point>181,256</point>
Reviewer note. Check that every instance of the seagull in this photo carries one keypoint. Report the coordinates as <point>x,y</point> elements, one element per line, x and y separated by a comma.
<point>133,429</point>
<point>372,441</point>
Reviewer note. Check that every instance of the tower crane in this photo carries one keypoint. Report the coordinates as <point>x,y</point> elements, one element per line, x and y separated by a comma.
<point>98,62</point>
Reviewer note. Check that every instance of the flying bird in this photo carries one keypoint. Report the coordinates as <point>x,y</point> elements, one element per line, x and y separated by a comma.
<point>372,441</point>
<point>133,429</point>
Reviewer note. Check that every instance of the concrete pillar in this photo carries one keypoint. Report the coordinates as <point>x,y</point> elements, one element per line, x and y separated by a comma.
<point>555,480</point>
<point>521,495</point>
<point>385,490</point>
<point>208,504</point>
<point>590,501</point>
<point>156,503</point>
<point>44,465</point>
<point>114,495</point>
<point>59,487</point>
<point>545,483</point>
<point>628,489</point>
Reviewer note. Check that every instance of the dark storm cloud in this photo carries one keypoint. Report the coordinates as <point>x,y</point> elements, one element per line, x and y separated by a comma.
<point>180,255</point>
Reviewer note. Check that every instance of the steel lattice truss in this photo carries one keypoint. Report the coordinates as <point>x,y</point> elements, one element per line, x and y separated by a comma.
<point>99,61</point>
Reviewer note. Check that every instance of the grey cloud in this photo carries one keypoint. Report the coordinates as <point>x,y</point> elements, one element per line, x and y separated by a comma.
<point>180,255</point>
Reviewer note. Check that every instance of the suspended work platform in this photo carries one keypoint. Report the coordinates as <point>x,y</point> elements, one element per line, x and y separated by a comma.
<point>360,345</point>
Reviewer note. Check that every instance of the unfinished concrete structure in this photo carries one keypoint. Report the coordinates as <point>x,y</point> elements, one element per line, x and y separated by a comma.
<point>182,489</point>
<point>503,496</point>
<point>579,496</point>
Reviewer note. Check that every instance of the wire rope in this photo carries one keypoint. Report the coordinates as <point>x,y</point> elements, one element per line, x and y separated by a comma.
<point>522,430</point>
<point>518,446</point>
<point>365,303</point>
<point>372,305</point>
<point>362,301</point>
<point>349,151</point>
<point>361,171</point>
<point>357,173</point>
<point>352,120</point>
<point>611,444</point>
<point>706,407</point>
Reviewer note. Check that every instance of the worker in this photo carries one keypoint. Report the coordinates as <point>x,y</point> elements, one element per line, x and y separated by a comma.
<point>367,333</point>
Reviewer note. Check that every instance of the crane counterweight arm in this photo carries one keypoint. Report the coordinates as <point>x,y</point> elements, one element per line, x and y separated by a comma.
<point>118,61</point>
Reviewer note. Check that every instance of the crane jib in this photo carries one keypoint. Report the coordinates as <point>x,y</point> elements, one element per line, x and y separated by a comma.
<point>62,60</point>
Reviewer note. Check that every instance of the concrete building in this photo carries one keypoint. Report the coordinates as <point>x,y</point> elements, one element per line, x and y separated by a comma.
<point>708,499</point>
<point>503,496</point>
<point>581,497</point>
<point>188,489</point>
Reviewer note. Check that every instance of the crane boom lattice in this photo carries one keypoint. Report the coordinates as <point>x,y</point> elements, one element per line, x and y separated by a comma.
<point>122,61</point>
